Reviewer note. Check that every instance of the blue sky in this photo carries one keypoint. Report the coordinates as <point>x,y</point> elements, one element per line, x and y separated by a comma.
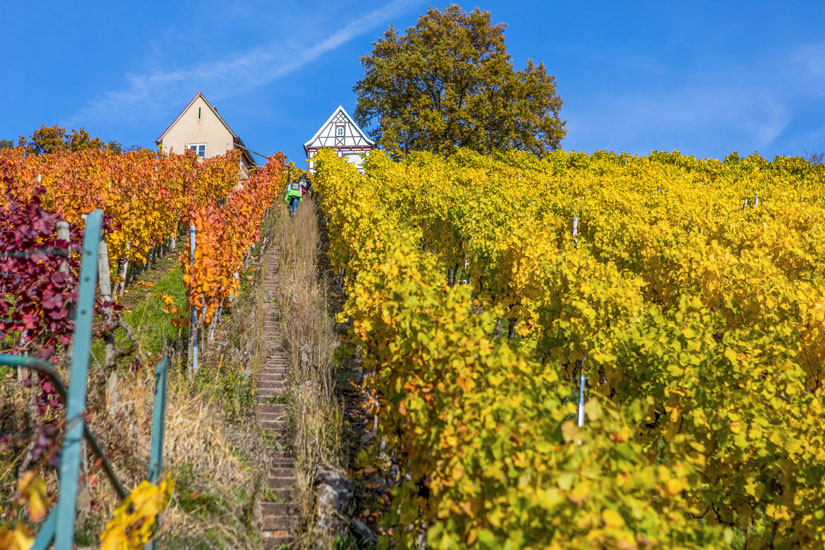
<point>706,78</point>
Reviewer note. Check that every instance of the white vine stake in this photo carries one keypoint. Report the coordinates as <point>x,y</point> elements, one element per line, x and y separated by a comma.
<point>193,322</point>
<point>582,382</point>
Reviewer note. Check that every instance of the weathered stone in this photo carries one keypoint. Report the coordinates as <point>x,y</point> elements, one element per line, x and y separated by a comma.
<point>365,535</point>
<point>333,495</point>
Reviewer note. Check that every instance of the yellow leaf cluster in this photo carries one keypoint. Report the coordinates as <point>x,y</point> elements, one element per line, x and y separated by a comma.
<point>134,521</point>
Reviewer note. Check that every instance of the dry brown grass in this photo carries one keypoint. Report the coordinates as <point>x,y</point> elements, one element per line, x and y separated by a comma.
<point>207,456</point>
<point>310,340</point>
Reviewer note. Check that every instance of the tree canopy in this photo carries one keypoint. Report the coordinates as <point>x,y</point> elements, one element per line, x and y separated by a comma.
<point>48,139</point>
<point>448,82</point>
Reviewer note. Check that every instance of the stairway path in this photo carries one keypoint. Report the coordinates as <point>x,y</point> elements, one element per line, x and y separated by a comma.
<point>280,518</point>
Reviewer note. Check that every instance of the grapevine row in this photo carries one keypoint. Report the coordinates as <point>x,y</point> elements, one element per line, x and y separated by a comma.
<point>482,427</point>
<point>146,195</point>
<point>694,287</point>
<point>225,234</point>
<point>149,198</point>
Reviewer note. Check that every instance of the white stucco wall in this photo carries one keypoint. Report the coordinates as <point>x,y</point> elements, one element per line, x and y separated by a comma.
<point>207,128</point>
<point>190,129</point>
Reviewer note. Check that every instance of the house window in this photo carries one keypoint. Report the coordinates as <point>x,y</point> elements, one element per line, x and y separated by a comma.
<point>199,148</point>
<point>339,131</point>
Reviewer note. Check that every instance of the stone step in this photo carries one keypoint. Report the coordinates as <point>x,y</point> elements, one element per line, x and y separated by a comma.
<point>281,455</point>
<point>266,400</point>
<point>276,540</point>
<point>276,483</point>
<point>279,513</point>
<point>274,367</point>
<point>284,493</point>
<point>274,426</point>
<point>273,408</point>
<point>282,473</point>
<point>274,371</point>
<point>272,376</point>
<point>279,523</point>
<point>266,396</point>
<point>277,543</point>
<point>273,417</point>
<point>270,408</point>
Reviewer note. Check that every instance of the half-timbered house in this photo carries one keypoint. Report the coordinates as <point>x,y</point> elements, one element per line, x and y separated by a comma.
<point>339,132</point>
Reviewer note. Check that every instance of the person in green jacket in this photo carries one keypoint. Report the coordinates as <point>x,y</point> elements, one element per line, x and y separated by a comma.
<point>293,196</point>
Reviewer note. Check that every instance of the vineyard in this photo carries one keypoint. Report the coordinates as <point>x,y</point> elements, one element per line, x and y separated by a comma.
<point>683,298</point>
<point>149,201</point>
<point>150,204</point>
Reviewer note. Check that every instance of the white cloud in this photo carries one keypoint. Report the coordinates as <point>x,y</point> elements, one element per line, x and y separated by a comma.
<point>147,96</point>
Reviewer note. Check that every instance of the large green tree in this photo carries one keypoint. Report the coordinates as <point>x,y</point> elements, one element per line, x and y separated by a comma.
<point>448,82</point>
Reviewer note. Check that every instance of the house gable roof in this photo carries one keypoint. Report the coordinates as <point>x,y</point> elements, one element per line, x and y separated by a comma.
<point>341,114</point>
<point>236,140</point>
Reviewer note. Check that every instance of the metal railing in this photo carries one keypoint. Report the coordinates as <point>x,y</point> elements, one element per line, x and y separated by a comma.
<point>58,528</point>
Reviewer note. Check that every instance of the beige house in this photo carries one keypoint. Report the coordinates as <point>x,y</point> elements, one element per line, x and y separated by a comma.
<point>200,128</point>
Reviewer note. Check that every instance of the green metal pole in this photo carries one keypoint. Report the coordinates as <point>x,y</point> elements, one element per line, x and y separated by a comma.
<point>76,398</point>
<point>46,534</point>
<point>156,455</point>
<point>158,415</point>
